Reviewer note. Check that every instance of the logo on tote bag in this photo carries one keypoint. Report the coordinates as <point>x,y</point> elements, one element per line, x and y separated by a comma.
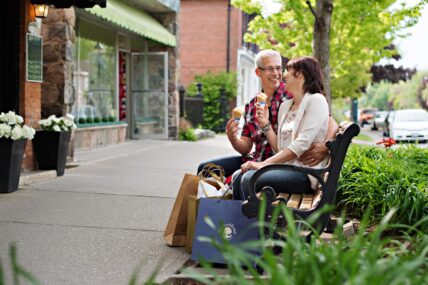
<point>229,231</point>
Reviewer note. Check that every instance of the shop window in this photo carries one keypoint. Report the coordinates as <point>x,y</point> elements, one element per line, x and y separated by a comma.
<point>95,75</point>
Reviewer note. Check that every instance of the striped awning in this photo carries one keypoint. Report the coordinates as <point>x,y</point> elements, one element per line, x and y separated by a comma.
<point>134,20</point>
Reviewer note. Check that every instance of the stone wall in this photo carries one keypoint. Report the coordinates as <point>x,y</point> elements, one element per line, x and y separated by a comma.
<point>58,43</point>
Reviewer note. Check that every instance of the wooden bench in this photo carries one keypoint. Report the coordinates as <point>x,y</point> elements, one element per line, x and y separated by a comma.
<point>305,205</point>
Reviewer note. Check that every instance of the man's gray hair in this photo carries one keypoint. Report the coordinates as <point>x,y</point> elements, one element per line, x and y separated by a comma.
<point>265,53</point>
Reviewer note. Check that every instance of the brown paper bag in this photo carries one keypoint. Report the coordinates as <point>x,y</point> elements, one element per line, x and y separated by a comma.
<point>176,229</point>
<point>192,213</point>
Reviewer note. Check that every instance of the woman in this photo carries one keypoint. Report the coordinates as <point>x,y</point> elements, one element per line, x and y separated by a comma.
<point>301,122</point>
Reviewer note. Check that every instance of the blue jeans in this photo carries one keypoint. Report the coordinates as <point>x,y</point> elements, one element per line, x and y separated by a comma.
<point>282,181</point>
<point>230,164</point>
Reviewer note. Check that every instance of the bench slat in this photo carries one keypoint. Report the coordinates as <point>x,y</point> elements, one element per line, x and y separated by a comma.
<point>307,201</point>
<point>294,201</point>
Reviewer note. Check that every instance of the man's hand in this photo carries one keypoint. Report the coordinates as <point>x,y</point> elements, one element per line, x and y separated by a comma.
<point>314,155</point>
<point>232,130</point>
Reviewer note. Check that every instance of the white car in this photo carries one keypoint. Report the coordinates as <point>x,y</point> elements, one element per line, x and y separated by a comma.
<point>407,125</point>
<point>379,120</point>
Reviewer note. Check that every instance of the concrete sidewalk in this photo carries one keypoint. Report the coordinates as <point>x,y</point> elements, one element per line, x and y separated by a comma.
<point>105,218</point>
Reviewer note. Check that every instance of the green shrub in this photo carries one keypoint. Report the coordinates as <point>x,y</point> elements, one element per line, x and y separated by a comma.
<point>104,119</point>
<point>112,118</point>
<point>187,135</point>
<point>211,84</point>
<point>379,180</point>
<point>97,120</point>
<point>82,121</point>
<point>89,120</point>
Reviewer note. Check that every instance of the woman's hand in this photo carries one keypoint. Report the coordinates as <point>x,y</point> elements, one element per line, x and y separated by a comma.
<point>262,115</point>
<point>251,165</point>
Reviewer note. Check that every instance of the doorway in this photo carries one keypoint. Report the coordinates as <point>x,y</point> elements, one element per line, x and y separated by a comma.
<point>149,95</point>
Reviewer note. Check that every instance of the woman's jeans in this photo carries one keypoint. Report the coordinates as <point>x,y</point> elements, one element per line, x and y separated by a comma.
<point>282,181</point>
<point>230,164</point>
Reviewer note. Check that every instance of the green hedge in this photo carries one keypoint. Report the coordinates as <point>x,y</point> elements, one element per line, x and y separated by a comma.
<point>211,84</point>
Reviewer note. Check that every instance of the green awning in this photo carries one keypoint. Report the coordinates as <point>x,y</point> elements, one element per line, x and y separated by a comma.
<point>134,20</point>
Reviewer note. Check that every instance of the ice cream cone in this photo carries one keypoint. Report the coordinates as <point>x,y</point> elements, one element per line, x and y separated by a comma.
<point>237,113</point>
<point>261,99</point>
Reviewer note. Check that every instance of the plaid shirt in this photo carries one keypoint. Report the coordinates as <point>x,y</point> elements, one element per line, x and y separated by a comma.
<point>251,128</point>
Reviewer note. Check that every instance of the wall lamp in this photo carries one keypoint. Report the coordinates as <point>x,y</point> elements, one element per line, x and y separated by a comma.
<point>41,10</point>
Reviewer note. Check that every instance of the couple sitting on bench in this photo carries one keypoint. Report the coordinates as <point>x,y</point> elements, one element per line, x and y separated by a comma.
<point>291,128</point>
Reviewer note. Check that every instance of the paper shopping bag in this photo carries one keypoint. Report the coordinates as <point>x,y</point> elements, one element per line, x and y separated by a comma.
<point>176,229</point>
<point>192,211</point>
<point>238,229</point>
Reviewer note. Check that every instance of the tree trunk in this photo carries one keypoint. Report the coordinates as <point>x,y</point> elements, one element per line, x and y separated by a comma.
<point>419,96</point>
<point>324,12</point>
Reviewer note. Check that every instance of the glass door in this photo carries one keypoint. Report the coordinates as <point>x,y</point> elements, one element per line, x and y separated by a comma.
<point>149,95</point>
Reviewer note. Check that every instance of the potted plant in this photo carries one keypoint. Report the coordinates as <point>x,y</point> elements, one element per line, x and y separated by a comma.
<point>51,142</point>
<point>13,138</point>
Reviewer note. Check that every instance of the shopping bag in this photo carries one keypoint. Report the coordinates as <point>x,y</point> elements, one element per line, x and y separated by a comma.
<point>238,229</point>
<point>176,228</point>
<point>192,212</point>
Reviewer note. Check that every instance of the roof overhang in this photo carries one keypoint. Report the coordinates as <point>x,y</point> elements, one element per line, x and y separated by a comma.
<point>134,20</point>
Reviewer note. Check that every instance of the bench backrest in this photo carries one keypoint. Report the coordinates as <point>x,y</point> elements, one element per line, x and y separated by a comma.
<point>338,148</point>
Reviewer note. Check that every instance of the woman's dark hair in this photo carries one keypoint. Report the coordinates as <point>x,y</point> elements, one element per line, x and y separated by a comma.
<point>310,68</point>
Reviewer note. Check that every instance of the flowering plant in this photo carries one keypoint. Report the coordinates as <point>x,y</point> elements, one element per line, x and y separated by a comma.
<point>11,127</point>
<point>53,123</point>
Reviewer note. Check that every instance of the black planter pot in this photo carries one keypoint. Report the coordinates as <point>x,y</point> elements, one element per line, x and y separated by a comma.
<point>51,150</point>
<point>11,155</point>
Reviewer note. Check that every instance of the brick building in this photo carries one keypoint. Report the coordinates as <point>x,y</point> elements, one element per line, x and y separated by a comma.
<point>211,39</point>
<point>113,67</point>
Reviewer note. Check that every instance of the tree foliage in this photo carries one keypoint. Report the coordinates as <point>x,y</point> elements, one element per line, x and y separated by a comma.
<point>410,94</point>
<point>360,31</point>
<point>391,73</point>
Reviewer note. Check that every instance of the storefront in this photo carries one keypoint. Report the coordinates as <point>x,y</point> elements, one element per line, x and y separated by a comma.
<point>123,79</point>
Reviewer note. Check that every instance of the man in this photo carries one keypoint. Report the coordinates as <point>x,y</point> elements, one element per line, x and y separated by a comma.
<point>269,70</point>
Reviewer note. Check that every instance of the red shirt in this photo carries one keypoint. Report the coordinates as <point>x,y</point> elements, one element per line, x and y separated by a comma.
<point>251,128</point>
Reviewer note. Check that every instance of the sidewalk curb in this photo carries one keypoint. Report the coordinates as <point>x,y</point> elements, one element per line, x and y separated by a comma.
<point>31,177</point>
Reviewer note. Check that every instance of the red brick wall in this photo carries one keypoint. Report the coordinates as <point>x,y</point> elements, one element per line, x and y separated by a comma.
<point>203,37</point>
<point>30,92</point>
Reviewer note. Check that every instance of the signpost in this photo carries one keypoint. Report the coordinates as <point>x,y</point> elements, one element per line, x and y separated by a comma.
<point>34,62</point>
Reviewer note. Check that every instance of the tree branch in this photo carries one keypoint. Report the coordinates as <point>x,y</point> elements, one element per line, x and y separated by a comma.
<point>317,22</point>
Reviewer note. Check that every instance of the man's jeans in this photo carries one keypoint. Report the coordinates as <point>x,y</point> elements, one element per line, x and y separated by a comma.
<point>230,164</point>
<point>282,181</point>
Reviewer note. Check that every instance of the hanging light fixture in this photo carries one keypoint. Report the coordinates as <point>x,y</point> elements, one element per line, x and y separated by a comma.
<point>41,10</point>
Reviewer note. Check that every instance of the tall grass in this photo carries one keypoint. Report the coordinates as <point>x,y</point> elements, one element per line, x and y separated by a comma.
<point>365,259</point>
<point>379,180</point>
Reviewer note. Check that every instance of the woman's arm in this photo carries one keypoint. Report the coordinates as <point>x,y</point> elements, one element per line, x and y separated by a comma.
<point>262,115</point>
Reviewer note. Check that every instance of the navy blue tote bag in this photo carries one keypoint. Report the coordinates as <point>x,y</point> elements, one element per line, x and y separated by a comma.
<point>237,228</point>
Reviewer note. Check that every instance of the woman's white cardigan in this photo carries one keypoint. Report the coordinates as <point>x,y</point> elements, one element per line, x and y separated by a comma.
<point>310,125</point>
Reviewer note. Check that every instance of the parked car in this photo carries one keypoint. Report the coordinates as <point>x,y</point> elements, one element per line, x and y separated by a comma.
<point>366,116</point>
<point>378,120</point>
<point>407,125</point>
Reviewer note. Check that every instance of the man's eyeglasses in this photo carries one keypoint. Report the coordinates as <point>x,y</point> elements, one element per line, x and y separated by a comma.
<point>271,69</point>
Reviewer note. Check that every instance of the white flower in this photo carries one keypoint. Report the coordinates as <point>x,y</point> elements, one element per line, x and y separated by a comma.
<point>70,117</point>
<point>53,123</point>
<point>5,130</point>
<point>11,127</point>
<point>28,132</point>
<point>17,133</point>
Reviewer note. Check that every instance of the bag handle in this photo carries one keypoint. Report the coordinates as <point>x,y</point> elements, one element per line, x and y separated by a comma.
<point>211,170</point>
